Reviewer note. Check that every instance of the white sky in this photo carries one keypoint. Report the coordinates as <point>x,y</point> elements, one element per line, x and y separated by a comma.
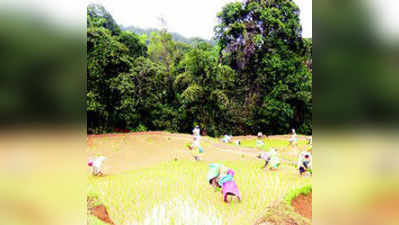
<point>188,17</point>
<point>191,18</point>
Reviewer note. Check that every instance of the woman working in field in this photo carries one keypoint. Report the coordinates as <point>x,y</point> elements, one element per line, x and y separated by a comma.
<point>259,142</point>
<point>196,132</point>
<point>271,159</point>
<point>220,176</point>
<point>96,165</point>
<point>196,149</point>
<point>293,140</point>
<point>305,163</point>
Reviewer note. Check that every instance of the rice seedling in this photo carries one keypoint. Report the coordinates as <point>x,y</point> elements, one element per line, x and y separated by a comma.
<point>178,192</point>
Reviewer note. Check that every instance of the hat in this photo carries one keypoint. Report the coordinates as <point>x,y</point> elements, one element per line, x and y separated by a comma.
<point>213,171</point>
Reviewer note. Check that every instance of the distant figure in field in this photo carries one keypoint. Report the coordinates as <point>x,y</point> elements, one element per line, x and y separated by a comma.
<point>309,139</point>
<point>227,138</point>
<point>220,176</point>
<point>305,163</point>
<point>196,131</point>
<point>96,165</point>
<point>271,159</point>
<point>238,142</point>
<point>259,142</point>
<point>196,148</point>
<point>293,140</point>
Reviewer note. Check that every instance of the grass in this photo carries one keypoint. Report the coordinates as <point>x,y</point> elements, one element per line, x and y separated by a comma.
<point>295,193</point>
<point>178,193</point>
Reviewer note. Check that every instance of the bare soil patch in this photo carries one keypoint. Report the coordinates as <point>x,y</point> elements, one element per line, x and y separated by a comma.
<point>125,152</point>
<point>101,213</point>
<point>303,205</point>
<point>98,210</point>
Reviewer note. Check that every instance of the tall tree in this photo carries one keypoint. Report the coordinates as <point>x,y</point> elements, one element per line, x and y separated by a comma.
<point>261,40</point>
<point>258,77</point>
<point>108,56</point>
<point>201,89</point>
<point>97,15</point>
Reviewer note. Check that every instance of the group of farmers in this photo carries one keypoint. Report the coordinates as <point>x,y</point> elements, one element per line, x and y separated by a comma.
<point>220,176</point>
<point>304,163</point>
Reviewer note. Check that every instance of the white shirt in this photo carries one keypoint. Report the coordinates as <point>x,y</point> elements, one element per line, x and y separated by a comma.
<point>302,159</point>
<point>265,156</point>
<point>97,162</point>
<point>226,138</point>
<point>268,155</point>
<point>196,132</point>
<point>196,143</point>
<point>293,138</point>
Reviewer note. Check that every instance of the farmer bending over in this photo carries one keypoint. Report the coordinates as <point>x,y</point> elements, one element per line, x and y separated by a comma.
<point>305,163</point>
<point>96,165</point>
<point>270,159</point>
<point>227,138</point>
<point>220,176</point>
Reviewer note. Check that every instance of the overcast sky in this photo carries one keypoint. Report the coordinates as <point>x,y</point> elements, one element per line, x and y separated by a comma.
<point>191,18</point>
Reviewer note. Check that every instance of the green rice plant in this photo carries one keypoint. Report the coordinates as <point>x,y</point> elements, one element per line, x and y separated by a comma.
<point>92,200</point>
<point>181,211</point>
<point>174,189</point>
<point>305,190</point>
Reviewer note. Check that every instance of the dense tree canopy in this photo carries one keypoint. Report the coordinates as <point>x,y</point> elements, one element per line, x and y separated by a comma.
<point>257,78</point>
<point>261,40</point>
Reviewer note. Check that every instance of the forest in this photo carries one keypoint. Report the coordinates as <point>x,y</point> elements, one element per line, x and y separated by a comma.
<point>257,77</point>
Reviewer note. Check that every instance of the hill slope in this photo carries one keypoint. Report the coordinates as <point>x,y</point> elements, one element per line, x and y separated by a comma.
<point>175,36</point>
